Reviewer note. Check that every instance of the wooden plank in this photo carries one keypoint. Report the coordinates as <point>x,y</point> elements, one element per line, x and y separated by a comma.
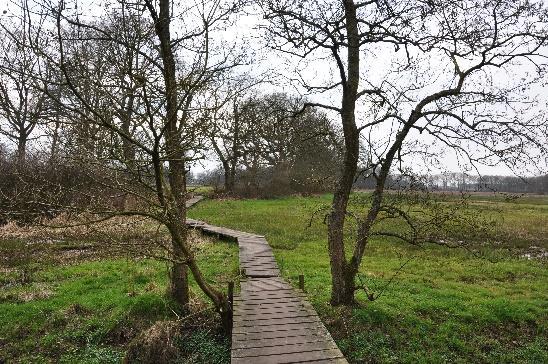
<point>265,274</point>
<point>263,300</point>
<point>280,309</point>
<point>269,335</point>
<point>244,306</point>
<point>261,311</point>
<point>287,328</point>
<point>283,349</point>
<point>265,283</point>
<point>259,269</point>
<point>253,288</point>
<point>261,266</point>
<point>255,252</point>
<point>270,281</point>
<point>328,361</point>
<point>266,259</point>
<point>288,340</point>
<point>250,289</point>
<point>272,295</point>
<point>256,256</point>
<point>262,260</point>
<point>283,358</point>
<point>247,254</point>
<point>265,315</point>
<point>275,322</point>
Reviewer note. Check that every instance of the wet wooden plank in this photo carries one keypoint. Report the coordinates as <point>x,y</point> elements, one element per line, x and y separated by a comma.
<point>287,348</point>
<point>279,341</point>
<point>315,327</point>
<point>275,321</point>
<point>271,335</point>
<point>286,358</point>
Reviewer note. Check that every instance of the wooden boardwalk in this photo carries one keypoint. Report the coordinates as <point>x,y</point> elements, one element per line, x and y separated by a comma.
<point>273,323</point>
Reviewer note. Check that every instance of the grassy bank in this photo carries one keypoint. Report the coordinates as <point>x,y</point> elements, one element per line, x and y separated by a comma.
<point>88,311</point>
<point>445,305</point>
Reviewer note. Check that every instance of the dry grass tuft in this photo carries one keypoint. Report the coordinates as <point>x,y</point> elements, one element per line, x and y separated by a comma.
<point>155,345</point>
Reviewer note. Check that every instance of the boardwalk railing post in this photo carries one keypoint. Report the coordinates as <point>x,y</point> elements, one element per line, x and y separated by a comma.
<point>301,282</point>
<point>231,293</point>
<point>228,321</point>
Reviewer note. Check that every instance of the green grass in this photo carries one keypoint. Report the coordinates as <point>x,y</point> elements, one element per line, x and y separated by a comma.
<point>87,312</point>
<point>446,305</point>
<point>201,190</point>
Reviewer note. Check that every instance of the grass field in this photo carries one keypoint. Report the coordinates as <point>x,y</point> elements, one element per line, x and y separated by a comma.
<point>89,310</point>
<point>446,305</point>
<point>489,304</point>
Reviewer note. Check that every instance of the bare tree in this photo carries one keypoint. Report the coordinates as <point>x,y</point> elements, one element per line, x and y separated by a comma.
<point>136,87</point>
<point>23,106</point>
<point>439,79</point>
<point>260,134</point>
<point>228,135</point>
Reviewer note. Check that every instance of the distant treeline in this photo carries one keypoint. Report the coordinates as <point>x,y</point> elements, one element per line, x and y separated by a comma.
<point>462,182</point>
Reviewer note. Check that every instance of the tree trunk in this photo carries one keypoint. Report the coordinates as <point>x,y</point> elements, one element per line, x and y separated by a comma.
<point>21,149</point>
<point>175,196</point>
<point>179,290</point>
<point>232,176</point>
<point>228,186</point>
<point>342,281</point>
<point>175,199</point>
<point>235,149</point>
<point>54,142</point>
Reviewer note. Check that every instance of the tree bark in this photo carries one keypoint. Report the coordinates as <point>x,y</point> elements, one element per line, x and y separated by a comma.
<point>175,154</point>
<point>228,185</point>
<point>175,198</point>
<point>21,156</point>
<point>179,289</point>
<point>54,143</point>
<point>342,290</point>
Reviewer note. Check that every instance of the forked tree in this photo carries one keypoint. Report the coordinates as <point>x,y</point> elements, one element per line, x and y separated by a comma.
<point>140,86</point>
<point>459,73</point>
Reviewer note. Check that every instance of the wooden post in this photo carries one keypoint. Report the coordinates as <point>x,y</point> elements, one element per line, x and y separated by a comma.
<point>231,292</point>
<point>301,282</point>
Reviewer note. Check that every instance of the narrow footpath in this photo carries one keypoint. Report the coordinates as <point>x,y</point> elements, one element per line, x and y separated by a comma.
<point>273,323</point>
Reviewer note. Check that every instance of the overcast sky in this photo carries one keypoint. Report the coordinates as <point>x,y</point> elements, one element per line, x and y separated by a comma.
<point>245,33</point>
<point>321,71</point>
